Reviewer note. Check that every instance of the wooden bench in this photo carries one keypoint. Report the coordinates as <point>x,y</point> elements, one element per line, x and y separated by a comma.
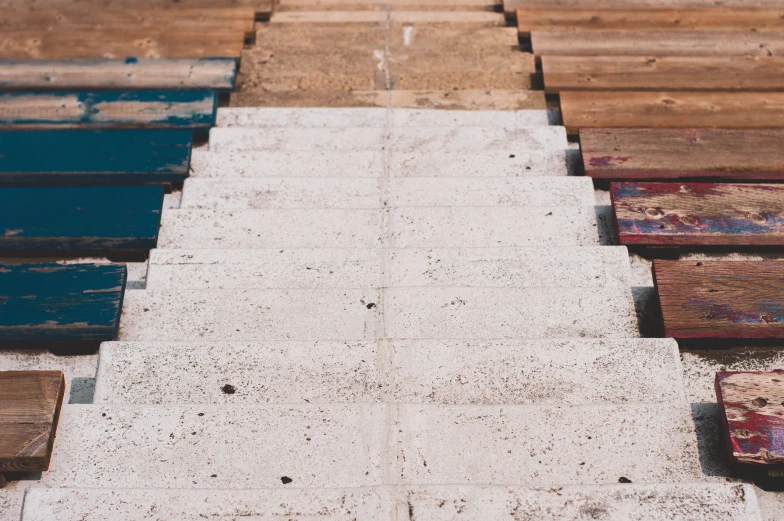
<point>699,214</point>
<point>751,406</point>
<point>80,218</point>
<point>90,156</point>
<point>217,74</point>
<point>56,303</point>
<point>30,404</point>
<point>646,153</point>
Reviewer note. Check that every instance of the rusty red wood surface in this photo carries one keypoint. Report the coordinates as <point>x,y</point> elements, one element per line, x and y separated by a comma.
<point>752,406</point>
<point>699,214</point>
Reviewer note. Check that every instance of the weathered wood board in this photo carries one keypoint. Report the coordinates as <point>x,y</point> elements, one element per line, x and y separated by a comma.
<point>259,6</point>
<point>511,6</point>
<point>54,302</point>
<point>752,73</point>
<point>94,218</point>
<point>108,109</point>
<point>672,109</point>
<point>81,156</point>
<point>645,153</point>
<point>751,406</point>
<point>720,299</point>
<point>574,42</point>
<point>30,403</point>
<point>671,18</point>
<point>699,214</point>
<point>217,74</point>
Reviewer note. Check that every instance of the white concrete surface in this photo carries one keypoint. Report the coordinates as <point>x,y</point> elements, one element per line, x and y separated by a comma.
<point>480,163</point>
<point>545,372</point>
<point>244,193</point>
<point>302,163</point>
<point>406,118</point>
<point>590,266</point>
<point>233,139</point>
<point>11,500</point>
<point>657,502</point>
<point>78,370</point>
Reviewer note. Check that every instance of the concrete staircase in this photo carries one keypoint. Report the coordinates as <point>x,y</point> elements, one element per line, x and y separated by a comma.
<point>381,315</point>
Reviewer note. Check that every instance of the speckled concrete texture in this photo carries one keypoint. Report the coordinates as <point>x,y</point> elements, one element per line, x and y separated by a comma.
<point>79,370</point>
<point>11,500</point>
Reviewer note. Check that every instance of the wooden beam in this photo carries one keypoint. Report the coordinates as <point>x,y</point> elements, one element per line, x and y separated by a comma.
<point>511,6</point>
<point>259,6</point>
<point>646,153</point>
<point>720,299</point>
<point>724,73</point>
<point>699,214</point>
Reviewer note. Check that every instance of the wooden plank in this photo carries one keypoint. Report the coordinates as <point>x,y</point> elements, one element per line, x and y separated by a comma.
<point>511,6</point>
<point>108,109</point>
<point>751,406</point>
<point>55,302</point>
<point>731,73</point>
<point>673,109</point>
<point>79,156</point>
<point>699,214</point>
<point>30,404</point>
<point>67,218</point>
<point>565,42</point>
<point>720,299</point>
<point>259,6</point>
<point>216,74</point>
<point>672,18</point>
<point>645,153</point>
<point>331,17</point>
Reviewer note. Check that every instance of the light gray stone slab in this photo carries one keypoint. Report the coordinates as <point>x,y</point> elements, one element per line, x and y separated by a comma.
<point>481,227</point>
<point>513,371</point>
<point>281,228</point>
<point>302,163</point>
<point>546,445</point>
<point>78,370</point>
<point>218,446</point>
<point>265,269</point>
<point>251,315</point>
<point>406,118</point>
<point>509,313</point>
<point>440,139</point>
<point>234,139</point>
<point>262,117</point>
<point>657,502</point>
<point>11,500</point>
<point>479,163</point>
<point>771,504</point>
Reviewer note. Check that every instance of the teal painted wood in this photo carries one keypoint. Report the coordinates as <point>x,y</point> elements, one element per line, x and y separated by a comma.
<point>53,302</point>
<point>93,218</point>
<point>218,74</point>
<point>195,109</point>
<point>91,156</point>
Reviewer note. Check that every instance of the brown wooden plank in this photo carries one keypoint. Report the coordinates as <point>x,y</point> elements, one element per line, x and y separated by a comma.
<point>721,299</point>
<point>624,18</point>
<point>30,404</point>
<point>675,109</point>
<point>699,214</point>
<point>259,6</point>
<point>731,73</point>
<point>645,153</point>
<point>566,42</point>
<point>751,406</point>
<point>511,6</point>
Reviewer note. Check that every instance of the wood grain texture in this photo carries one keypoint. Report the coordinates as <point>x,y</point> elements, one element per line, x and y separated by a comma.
<point>54,302</point>
<point>95,156</point>
<point>216,74</point>
<point>645,153</point>
<point>91,218</point>
<point>30,403</point>
<point>752,73</point>
<point>751,406</point>
<point>259,6</point>
<point>575,42</point>
<point>672,109</point>
<point>699,214</point>
<point>511,6</point>
<point>624,18</point>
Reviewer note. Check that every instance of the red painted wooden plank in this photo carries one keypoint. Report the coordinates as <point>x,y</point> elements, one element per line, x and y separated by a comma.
<point>751,406</point>
<point>699,214</point>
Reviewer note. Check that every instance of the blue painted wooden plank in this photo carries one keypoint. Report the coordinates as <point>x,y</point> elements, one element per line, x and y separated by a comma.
<point>79,156</point>
<point>56,302</point>
<point>108,109</point>
<point>218,74</point>
<point>90,218</point>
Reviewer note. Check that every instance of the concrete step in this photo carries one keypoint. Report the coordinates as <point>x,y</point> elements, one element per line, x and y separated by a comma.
<point>11,500</point>
<point>590,266</point>
<point>353,445</point>
<point>421,139</point>
<point>514,371</point>
<point>377,117</point>
<point>657,502</point>
<point>356,314</point>
<point>472,227</point>
<point>79,371</point>
<point>331,164</point>
<point>244,193</point>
